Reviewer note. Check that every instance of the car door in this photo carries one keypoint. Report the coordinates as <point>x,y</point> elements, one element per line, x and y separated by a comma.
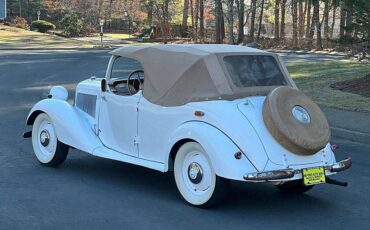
<point>118,115</point>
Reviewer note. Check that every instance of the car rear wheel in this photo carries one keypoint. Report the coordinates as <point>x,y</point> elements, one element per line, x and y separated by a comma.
<point>48,149</point>
<point>294,187</point>
<point>195,177</point>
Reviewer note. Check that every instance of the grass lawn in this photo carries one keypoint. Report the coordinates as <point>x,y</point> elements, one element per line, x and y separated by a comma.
<point>11,37</point>
<point>315,78</point>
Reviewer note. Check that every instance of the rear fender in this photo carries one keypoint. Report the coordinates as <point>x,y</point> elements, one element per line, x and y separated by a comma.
<point>70,127</point>
<point>218,147</point>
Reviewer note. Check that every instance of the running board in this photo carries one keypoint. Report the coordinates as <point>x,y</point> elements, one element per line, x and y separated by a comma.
<point>107,153</point>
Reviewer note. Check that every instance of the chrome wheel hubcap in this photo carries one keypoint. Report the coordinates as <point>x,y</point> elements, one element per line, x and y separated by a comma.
<point>44,138</point>
<point>195,173</point>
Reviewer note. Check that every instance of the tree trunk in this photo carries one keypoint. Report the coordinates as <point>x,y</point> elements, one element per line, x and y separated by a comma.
<point>308,27</point>
<point>185,14</point>
<point>28,10</point>
<point>260,20</point>
<point>253,20</point>
<point>333,22</point>
<point>150,13</point>
<point>219,18</point>
<point>223,33</point>
<point>276,25</point>
<point>300,19</point>
<point>165,20</point>
<point>240,7</point>
<point>294,17</point>
<point>348,29</point>
<point>230,15</point>
<point>316,17</point>
<point>311,32</point>
<point>326,22</point>
<point>342,20</point>
<point>196,18</point>
<point>282,25</point>
<point>201,20</point>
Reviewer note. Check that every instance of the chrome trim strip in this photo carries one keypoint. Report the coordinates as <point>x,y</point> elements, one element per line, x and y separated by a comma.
<point>270,175</point>
<point>341,165</point>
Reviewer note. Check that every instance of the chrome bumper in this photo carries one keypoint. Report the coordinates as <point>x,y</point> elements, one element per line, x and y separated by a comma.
<point>340,165</point>
<point>289,173</point>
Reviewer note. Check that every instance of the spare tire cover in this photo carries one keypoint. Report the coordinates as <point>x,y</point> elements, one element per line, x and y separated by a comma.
<point>295,121</point>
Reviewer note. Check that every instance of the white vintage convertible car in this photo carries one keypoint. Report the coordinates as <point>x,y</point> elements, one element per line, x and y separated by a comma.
<point>210,113</point>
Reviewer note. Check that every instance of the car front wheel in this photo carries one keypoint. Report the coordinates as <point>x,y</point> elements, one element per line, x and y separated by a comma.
<point>195,177</point>
<point>48,149</point>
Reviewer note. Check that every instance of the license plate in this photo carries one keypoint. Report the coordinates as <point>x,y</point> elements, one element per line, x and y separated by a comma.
<point>313,176</point>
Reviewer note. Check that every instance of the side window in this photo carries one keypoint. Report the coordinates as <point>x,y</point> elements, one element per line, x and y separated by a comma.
<point>123,66</point>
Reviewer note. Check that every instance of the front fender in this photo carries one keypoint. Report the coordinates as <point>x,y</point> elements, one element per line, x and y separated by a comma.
<point>218,146</point>
<point>69,125</point>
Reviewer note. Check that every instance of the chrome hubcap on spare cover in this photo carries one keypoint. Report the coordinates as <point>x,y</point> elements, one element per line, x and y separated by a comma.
<point>195,173</point>
<point>44,138</point>
<point>301,115</point>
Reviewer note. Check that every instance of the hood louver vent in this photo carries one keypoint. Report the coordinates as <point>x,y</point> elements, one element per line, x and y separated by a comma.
<point>86,103</point>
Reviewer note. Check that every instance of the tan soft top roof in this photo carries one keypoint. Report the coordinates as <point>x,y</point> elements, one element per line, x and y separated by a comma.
<point>178,74</point>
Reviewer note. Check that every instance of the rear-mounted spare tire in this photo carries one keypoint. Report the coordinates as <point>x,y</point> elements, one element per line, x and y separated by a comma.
<point>295,121</point>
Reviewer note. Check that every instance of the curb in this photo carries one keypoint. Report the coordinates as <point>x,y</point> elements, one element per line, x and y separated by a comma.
<point>351,135</point>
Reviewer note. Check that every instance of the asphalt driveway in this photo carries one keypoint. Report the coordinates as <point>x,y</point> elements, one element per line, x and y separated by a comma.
<point>92,193</point>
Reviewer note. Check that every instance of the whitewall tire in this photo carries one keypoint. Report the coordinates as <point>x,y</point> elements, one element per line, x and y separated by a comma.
<point>48,149</point>
<point>195,177</point>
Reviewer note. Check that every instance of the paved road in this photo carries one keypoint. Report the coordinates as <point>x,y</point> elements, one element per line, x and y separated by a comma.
<point>93,193</point>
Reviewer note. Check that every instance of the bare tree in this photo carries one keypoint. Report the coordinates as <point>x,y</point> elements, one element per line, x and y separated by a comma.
<point>333,20</point>
<point>253,19</point>
<point>326,21</point>
<point>342,22</point>
<point>161,11</point>
<point>294,16</point>
<point>316,20</point>
<point>240,7</point>
<point>196,18</point>
<point>185,14</point>
<point>282,24</point>
<point>219,21</point>
<point>230,16</point>
<point>348,29</point>
<point>260,20</point>
<point>276,25</point>
<point>308,19</point>
<point>201,20</point>
<point>300,19</point>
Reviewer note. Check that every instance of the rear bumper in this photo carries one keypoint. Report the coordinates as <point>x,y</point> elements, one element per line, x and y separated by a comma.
<point>286,174</point>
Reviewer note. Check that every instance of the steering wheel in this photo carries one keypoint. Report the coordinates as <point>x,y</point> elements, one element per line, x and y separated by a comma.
<point>137,78</point>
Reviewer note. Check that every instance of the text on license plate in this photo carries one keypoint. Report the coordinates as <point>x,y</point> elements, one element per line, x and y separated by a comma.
<point>313,176</point>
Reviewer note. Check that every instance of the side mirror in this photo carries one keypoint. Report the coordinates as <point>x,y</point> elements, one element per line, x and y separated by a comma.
<point>103,85</point>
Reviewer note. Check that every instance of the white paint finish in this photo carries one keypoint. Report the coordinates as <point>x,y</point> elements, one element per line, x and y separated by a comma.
<point>104,152</point>
<point>226,117</point>
<point>218,146</point>
<point>91,87</point>
<point>276,152</point>
<point>118,122</point>
<point>59,92</point>
<point>70,126</point>
<point>136,131</point>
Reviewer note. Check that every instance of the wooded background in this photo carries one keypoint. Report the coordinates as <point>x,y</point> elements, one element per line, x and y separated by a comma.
<point>312,24</point>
